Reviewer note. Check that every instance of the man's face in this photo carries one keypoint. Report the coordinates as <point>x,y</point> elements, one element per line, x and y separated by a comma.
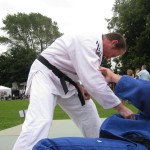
<point>113,53</point>
<point>109,50</point>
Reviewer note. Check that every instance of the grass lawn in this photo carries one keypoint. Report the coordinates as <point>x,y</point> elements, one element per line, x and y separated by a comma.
<point>9,112</point>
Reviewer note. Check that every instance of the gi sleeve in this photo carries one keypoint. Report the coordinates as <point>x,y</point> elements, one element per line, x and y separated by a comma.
<point>136,91</point>
<point>86,63</point>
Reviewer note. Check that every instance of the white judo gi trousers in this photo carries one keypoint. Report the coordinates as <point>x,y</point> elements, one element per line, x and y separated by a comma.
<point>40,113</point>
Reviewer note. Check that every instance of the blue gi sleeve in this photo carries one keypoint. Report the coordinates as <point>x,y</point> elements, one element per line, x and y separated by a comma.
<point>136,91</point>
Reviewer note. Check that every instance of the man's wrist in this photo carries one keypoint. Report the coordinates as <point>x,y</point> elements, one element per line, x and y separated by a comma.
<point>119,107</point>
<point>115,78</point>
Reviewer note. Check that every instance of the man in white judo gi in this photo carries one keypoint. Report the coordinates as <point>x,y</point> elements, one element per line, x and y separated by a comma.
<point>52,80</point>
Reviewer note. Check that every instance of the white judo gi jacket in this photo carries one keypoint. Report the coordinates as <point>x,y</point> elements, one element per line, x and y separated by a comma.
<point>79,57</point>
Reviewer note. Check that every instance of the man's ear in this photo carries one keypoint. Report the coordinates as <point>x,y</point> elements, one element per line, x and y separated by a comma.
<point>114,42</point>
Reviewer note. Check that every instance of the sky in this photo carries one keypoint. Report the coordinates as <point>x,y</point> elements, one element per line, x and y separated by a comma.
<point>70,15</point>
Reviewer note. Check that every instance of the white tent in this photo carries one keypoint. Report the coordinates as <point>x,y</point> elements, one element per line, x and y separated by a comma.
<point>4,92</point>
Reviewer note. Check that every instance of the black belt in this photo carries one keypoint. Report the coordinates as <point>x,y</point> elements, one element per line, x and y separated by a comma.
<point>63,78</point>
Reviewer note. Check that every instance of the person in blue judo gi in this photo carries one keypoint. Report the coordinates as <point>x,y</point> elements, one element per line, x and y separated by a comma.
<point>116,132</point>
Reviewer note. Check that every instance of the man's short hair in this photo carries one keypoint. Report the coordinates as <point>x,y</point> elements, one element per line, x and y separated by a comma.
<point>117,36</point>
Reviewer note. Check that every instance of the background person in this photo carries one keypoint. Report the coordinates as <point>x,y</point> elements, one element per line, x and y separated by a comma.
<point>144,74</point>
<point>76,57</point>
<point>130,72</point>
<point>137,70</point>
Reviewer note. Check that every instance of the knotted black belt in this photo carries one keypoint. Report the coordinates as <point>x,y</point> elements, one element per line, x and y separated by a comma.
<point>63,78</point>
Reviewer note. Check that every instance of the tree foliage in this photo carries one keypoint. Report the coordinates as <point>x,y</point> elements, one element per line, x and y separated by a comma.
<point>106,63</point>
<point>32,31</point>
<point>26,36</point>
<point>132,19</point>
<point>15,65</point>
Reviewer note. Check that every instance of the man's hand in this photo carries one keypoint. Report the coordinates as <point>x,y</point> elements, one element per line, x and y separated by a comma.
<point>109,75</point>
<point>84,92</point>
<point>125,112</point>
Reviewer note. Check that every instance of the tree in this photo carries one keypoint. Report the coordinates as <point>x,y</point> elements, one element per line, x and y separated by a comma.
<point>27,35</point>
<point>106,63</point>
<point>32,31</point>
<point>118,65</point>
<point>132,19</point>
<point>15,65</point>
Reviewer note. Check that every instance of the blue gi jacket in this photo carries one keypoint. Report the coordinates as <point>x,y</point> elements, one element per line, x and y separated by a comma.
<point>136,91</point>
<point>116,127</point>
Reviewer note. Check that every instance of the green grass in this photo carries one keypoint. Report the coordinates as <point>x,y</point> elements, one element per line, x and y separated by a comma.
<point>9,112</point>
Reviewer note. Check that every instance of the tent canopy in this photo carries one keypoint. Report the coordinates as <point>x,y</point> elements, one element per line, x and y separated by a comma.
<point>5,91</point>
